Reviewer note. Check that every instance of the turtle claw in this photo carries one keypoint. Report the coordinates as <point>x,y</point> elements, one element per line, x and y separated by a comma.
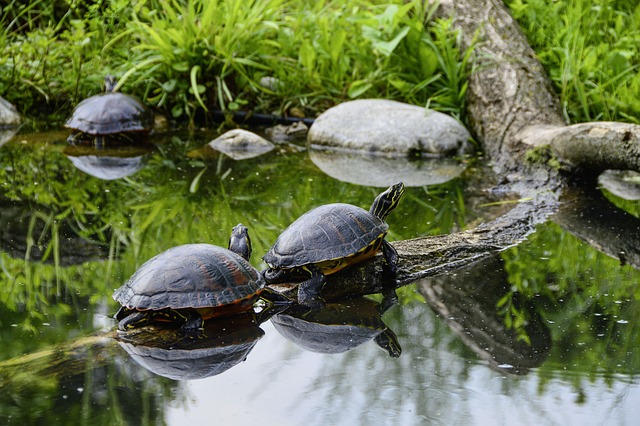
<point>391,259</point>
<point>388,341</point>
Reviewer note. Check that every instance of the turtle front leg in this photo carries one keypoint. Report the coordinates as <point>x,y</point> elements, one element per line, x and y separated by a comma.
<point>309,290</point>
<point>389,271</point>
<point>134,320</point>
<point>391,257</point>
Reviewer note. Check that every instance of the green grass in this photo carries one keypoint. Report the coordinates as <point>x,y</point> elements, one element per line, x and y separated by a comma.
<point>190,57</point>
<point>590,49</point>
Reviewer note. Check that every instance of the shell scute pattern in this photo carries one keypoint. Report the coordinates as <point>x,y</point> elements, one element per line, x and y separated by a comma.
<point>190,276</point>
<point>327,232</point>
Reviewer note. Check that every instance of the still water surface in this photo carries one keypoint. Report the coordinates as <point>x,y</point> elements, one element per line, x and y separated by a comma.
<point>573,360</point>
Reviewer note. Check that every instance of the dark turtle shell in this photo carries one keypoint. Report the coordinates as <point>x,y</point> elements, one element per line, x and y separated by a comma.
<point>331,231</point>
<point>109,113</point>
<point>192,276</point>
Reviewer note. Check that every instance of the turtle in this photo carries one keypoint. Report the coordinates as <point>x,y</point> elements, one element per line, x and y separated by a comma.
<point>337,327</point>
<point>109,114</point>
<point>192,282</point>
<point>329,238</point>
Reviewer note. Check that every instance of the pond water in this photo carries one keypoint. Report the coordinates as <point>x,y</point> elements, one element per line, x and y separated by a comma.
<point>545,333</point>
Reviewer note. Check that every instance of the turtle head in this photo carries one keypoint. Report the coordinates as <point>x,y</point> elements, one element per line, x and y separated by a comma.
<point>239,241</point>
<point>109,83</point>
<point>387,201</point>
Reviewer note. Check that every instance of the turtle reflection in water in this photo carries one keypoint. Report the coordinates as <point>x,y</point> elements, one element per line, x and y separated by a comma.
<point>228,342</point>
<point>107,163</point>
<point>109,116</point>
<point>338,327</point>
<point>329,238</point>
<point>190,283</point>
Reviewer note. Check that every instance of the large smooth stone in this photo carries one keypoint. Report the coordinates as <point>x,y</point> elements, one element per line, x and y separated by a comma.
<point>241,144</point>
<point>9,116</point>
<point>389,127</point>
<point>382,171</point>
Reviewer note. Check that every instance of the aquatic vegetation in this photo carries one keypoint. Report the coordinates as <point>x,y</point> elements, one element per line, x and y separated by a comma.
<point>590,49</point>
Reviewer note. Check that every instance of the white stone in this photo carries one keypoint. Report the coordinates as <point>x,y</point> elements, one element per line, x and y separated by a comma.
<point>389,127</point>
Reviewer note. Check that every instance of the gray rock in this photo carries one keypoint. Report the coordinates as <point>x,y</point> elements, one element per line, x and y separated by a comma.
<point>9,116</point>
<point>381,170</point>
<point>383,126</point>
<point>241,144</point>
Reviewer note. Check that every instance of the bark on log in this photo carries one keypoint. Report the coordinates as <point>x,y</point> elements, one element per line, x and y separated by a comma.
<point>508,89</point>
<point>512,105</point>
<point>592,147</point>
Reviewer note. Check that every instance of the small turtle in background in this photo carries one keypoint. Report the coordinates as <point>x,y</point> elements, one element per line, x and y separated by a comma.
<point>110,117</point>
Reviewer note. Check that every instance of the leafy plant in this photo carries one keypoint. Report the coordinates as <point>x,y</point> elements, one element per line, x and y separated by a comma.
<point>590,49</point>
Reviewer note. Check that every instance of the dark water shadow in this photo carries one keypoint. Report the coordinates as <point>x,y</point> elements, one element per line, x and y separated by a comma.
<point>468,301</point>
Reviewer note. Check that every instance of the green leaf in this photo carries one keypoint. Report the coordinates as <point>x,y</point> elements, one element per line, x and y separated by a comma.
<point>307,55</point>
<point>169,86</point>
<point>357,88</point>
<point>387,47</point>
<point>195,183</point>
<point>180,66</point>
<point>195,86</point>
<point>337,42</point>
<point>428,60</point>
<point>176,111</point>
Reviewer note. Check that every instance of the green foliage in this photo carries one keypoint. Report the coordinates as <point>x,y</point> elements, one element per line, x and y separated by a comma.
<point>190,57</point>
<point>50,67</point>
<point>588,299</point>
<point>202,51</point>
<point>591,51</point>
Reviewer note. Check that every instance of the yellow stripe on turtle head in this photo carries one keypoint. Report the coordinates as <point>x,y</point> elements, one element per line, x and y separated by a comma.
<point>387,201</point>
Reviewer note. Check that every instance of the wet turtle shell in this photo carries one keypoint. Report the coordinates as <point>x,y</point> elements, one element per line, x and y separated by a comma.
<point>109,113</point>
<point>329,232</point>
<point>192,276</point>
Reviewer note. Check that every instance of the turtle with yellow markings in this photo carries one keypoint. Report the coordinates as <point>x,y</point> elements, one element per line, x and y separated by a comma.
<point>188,284</point>
<point>329,238</point>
